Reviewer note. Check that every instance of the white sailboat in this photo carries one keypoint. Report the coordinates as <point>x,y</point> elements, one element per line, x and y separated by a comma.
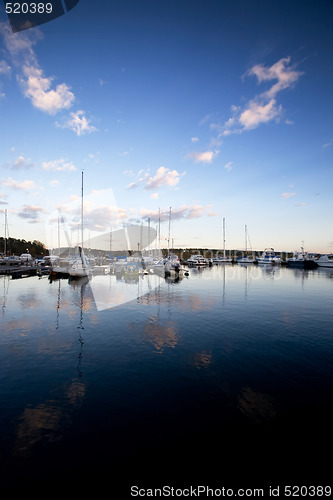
<point>59,268</point>
<point>79,266</point>
<point>223,259</point>
<point>171,265</point>
<point>246,259</point>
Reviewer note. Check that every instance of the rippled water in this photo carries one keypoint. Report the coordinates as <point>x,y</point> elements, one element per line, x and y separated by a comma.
<point>224,376</point>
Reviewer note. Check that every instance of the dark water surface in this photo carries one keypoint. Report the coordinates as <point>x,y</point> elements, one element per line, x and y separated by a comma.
<point>223,378</point>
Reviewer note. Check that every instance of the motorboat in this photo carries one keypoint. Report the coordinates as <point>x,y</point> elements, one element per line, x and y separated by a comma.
<point>325,260</point>
<point>26,258</point>
<point>268,257</point>
<point>172,266</point>
<point>197,260</point>
<point>302,260</point>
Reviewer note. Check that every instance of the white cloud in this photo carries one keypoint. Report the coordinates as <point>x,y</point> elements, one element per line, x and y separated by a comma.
<point>288,122</point>
<point>257,113</point>
<point>285,75</point>
<point>54,183</point>
<point>58,165</point>
<point>36,86</point>
<point>163,177</point>
<point>5,69</point>
<point>3,196</point>
<point>204,157</point>
<point>154,196</point>
<point>31,212</point>
<point>79,124</point>
<point>194,139</point>
<point>263,108</point>
<point>228,166</point>
<point>287,195</point>
<point>185,211</point>
<point>21,163</point>
<point>13,184</point>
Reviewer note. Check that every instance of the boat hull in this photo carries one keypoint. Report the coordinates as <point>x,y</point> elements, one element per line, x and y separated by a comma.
<point>325,264</point>
<point>305,264</point>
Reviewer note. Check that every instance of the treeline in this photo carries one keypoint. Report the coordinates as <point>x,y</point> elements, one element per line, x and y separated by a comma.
<point>13,246</point>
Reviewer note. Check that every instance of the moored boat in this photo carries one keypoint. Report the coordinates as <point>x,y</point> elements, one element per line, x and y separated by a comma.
<point>197,260</point>
<point>246,259</point>
<point>268,257</point>
<point>79,266</point>
<point>172,266</point>
<point>325,260</point>
<point>301,260</point>
<point>224,259</point>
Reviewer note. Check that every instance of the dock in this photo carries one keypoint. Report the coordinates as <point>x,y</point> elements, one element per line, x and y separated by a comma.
<point>19,271</point>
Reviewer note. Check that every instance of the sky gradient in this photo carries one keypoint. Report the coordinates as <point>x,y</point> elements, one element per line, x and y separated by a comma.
<point>215,108</point>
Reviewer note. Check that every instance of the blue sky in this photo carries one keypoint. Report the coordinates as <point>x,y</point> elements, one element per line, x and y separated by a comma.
<point>215,108</point>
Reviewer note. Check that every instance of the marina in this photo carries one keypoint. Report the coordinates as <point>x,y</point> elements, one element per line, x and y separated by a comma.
<point>166,265</point>
<point>80,266</point>
<point>148,372</point>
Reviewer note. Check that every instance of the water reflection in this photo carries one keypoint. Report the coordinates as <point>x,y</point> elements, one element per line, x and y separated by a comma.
<point>257,407</point>
<point>38,425</point>
<point>161,336</point>
<point>46,422</point>
<point>6,281</point>
<point>229,340</point>
<point>202,359</point>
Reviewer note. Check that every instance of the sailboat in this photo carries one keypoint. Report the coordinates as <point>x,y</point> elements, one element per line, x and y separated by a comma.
<point>246,259</point>
<point>223,259</point>
<point>171,265</point>
<point>79,266</point>
<point>57,267</point>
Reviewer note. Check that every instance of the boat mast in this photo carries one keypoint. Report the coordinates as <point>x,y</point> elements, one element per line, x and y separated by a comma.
<point>245,239</point>
<point>223,237</point>
<point>59,239</point>
<point>159,229</point>
<point>169,232</point>
<point>82,213</point>
<point>5,245</point>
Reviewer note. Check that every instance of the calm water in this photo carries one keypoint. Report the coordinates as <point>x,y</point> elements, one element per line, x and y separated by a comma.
<point>225,376</point>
